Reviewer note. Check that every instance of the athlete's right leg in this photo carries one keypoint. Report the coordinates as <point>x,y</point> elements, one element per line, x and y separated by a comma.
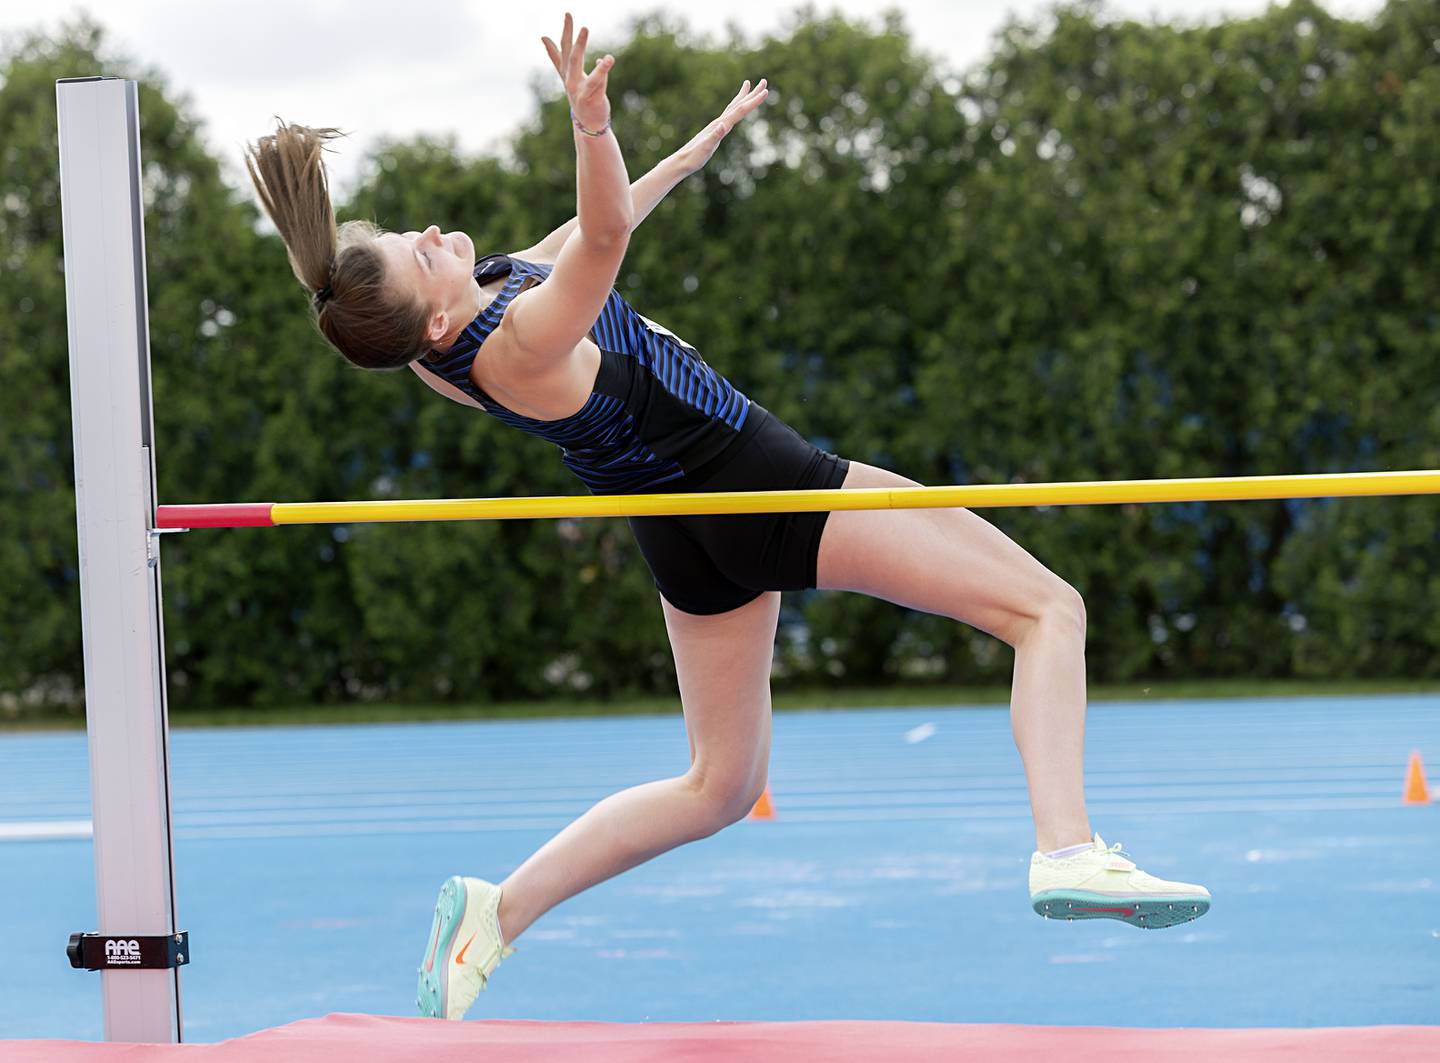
<point>723,665</point>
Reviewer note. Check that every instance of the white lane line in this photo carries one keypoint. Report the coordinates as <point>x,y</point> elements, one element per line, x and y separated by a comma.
<point>919,734</point>
<point>45,830</point>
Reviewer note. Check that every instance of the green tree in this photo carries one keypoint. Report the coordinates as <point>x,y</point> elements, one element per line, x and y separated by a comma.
<point>1113,250</point>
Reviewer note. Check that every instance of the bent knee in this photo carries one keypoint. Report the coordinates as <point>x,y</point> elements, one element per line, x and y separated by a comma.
<point>1072,606</point>
<point>1062,604</point>
<point>728,796</point>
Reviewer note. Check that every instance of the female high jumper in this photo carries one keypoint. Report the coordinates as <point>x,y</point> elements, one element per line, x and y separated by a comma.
<point>539,339</point>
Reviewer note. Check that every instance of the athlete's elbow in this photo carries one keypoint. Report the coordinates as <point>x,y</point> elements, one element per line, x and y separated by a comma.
<point>610,236</point>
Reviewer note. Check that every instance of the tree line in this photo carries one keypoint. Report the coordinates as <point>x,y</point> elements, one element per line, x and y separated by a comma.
<point>1113,250</point>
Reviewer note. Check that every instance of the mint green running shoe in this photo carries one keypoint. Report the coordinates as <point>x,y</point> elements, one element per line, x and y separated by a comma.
<point>1101,883</point>
<point>465,947</point>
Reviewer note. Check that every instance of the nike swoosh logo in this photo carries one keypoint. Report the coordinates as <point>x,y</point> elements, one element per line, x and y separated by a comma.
<point>1119,911</point>
<point>460,956</point>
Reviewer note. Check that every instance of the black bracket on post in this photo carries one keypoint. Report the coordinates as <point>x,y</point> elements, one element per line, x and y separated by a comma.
<point>128,952</point>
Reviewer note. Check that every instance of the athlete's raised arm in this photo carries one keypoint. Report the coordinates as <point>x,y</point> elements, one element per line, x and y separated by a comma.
<point>649,190</point>
<point>546,322</point>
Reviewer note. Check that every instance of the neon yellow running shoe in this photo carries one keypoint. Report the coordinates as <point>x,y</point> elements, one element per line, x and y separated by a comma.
<point>465,947</point>
<point>1100,883</point>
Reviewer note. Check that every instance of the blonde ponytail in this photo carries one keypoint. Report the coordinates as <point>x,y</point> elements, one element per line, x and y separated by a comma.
<point>355,310</point>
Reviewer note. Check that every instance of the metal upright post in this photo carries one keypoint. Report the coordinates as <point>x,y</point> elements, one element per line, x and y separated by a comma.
<point>137,946</point>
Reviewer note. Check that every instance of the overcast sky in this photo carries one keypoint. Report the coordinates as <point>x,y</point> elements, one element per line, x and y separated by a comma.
<point>400,67</point>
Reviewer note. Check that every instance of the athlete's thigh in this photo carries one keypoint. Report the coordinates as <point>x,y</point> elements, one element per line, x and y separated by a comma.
<point>945,561</point>
<point>723,665</point>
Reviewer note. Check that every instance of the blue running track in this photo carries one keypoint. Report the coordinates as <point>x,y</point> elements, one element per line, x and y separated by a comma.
<point>892,885</point>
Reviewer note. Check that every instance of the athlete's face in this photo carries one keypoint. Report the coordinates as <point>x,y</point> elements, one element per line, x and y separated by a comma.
<point>437,269</point>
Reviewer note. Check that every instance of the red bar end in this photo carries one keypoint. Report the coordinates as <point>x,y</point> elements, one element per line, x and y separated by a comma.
<point>228,515</point>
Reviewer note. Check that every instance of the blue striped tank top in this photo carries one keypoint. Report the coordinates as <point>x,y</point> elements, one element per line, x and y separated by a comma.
<point>657,411</point>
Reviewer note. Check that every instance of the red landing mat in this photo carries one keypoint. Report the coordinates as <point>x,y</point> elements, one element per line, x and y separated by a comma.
<point>344,1038</point>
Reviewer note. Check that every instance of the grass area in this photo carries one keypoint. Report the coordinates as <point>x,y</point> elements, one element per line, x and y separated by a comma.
<point>847,698</point>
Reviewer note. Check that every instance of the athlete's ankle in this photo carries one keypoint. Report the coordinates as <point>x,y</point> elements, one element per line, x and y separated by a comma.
<point>505,918</point>
<point>1069,850</point>
<point>1051,843</point>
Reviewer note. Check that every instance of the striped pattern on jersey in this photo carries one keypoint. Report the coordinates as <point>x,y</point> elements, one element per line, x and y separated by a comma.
<point>657,411</point>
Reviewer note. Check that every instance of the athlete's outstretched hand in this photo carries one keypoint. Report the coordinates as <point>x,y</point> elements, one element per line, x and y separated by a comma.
<point>586,91</point>
<point>697,153</point>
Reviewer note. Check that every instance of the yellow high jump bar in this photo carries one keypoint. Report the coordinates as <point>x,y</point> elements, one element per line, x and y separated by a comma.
<point>978,496</point>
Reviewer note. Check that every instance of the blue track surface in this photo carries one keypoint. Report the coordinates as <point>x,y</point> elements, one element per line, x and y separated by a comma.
<point>893,884</point>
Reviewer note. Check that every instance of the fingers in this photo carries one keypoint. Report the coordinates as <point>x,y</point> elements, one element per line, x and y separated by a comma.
<point>746,101</point>
<point>576,70</point>
<point>595,82</point>
<point>568,57</point>
<point>747,94</point>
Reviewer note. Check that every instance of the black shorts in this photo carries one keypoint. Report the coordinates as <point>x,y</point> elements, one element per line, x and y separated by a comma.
<point>712,564</point>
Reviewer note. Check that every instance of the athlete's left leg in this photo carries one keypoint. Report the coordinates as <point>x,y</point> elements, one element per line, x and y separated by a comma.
<point>722,663</point>
<point>953,563</point>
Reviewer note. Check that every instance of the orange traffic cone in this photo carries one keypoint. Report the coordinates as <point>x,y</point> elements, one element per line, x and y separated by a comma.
<point>1416,792</point>
<point>764,808</point>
